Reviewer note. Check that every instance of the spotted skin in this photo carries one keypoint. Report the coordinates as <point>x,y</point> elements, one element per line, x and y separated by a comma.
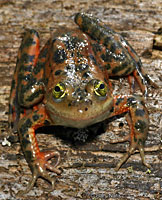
<point>67,83</point>
<point>117,56</point>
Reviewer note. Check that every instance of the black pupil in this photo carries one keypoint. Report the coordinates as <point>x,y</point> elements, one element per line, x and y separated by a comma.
<point>57,89</point>
<point>102,86</point>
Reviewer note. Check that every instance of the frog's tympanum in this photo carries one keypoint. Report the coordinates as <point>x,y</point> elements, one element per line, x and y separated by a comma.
<point>67,83</point>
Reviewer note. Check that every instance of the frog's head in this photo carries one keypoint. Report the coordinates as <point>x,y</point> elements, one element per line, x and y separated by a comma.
<point>77,93</point>
<point>79,106</point>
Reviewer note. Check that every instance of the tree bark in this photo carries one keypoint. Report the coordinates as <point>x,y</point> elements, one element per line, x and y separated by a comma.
<point>88,169</point>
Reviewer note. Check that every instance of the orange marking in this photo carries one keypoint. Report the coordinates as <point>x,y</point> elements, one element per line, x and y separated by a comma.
<point>119,109</point>
<point>35,147</point>
<point>35,108</point>
<point>37,52</point>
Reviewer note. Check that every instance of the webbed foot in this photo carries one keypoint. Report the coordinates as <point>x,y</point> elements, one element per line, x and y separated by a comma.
<point>39,169</point>
<point>130,152</point>
<point>138,122</point>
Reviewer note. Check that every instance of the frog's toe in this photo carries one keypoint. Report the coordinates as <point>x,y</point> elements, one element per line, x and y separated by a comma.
<point>31,184</point>
<point>119,140</point>
<point>39,169</point>
<point>45,175</point>
<point>124,158</point>
<point>141,150</point>
<point>29,187</point>
<point>48,155</point>
<point>128,154</point>
<point>131,81</point>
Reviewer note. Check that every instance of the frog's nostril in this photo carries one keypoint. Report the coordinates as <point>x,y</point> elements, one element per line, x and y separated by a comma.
<point>80,98</point>
<point>86,109</point>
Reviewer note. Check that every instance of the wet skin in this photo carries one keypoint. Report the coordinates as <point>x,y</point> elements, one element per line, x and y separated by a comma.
<point>67,83</point>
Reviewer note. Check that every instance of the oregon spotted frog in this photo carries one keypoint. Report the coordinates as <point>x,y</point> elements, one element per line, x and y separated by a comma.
<point>67,83</point>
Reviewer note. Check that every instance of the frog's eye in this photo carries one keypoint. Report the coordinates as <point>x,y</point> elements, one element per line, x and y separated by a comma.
<point>100,88</point>
<point>58,91</point>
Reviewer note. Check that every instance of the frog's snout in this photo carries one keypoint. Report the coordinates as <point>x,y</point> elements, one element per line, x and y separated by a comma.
<point>80,96</point>
<point>81,101</point>
<point>82,105</point>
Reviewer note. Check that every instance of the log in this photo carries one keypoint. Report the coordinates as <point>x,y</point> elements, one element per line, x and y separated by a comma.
<point>88,168</point>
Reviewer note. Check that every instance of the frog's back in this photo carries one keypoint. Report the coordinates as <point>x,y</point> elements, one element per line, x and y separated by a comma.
<point>72,59</point>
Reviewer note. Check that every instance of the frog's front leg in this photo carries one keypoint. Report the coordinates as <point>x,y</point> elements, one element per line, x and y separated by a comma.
<point>38,161</point>
<point>138,121</point>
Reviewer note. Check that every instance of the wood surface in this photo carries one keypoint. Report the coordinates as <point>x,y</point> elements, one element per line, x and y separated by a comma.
<point>88,169</point>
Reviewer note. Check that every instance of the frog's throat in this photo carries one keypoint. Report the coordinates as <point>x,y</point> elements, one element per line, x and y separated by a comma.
<point>78,119</point>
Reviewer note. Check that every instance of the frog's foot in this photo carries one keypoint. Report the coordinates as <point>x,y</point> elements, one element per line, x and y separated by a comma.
<point>132,85</point>
<point>143,79</point>
<point>39,169</point>
<point>130,151</point>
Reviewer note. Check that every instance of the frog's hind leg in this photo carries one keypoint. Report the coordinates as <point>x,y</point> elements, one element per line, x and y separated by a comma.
<point>143,79</point>
<point>114,52</point>
<point>29,87</point>
<point>27,57</point>
<point>137,118</point>
<point>139,73</point>
<point>23,77</point>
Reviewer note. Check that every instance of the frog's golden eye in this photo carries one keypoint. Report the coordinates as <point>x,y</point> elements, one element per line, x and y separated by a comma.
<point>58,91</point>
<point>100,88</point>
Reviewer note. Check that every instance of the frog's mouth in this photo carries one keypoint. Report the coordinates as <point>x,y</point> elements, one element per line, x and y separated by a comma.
<point>79,116</point>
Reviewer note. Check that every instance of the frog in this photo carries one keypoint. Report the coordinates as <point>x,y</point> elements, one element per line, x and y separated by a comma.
<point>68,83</point>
